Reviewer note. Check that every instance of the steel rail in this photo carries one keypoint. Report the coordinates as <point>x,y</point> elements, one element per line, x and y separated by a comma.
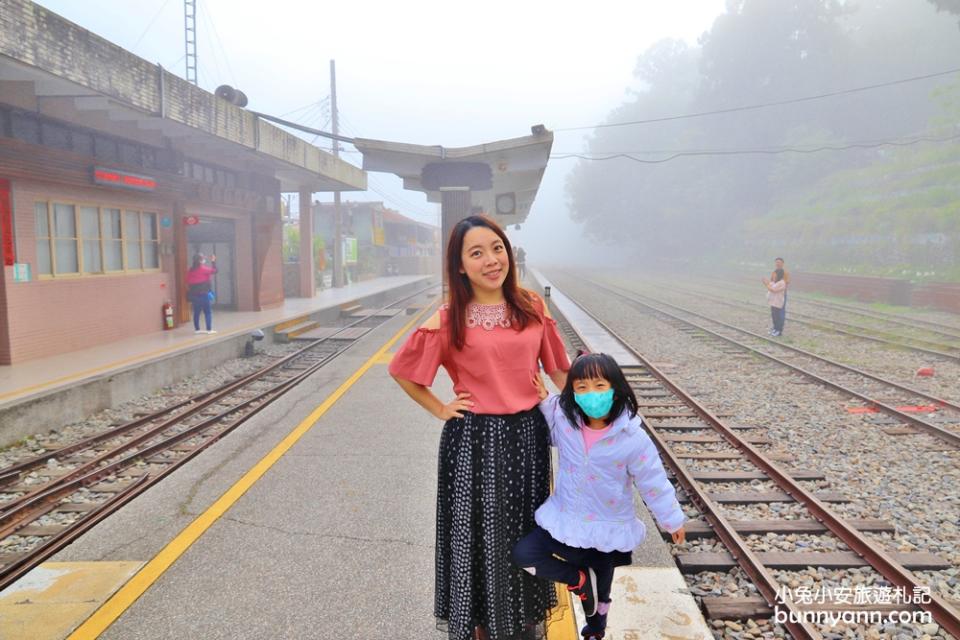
<point>934,430</point>
<point>50,498</point>
<point>203,400</point>
<point>934,327</point>
<point>798,319</point>
<point>897,574</point>
<point>908,321</point>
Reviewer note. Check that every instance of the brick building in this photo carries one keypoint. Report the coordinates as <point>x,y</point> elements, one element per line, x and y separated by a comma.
<point>113,172</point>
<point>387,242</point>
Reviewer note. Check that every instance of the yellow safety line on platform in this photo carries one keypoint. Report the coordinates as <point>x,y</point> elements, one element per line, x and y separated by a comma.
<point>156,567</point>
<point>561,621</point>
<point>119,363</point>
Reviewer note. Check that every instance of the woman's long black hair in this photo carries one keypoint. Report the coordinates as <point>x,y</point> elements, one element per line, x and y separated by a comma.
<point>597,365</point>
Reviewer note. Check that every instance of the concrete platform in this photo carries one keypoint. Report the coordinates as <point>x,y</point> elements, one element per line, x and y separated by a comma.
<point>316,520</point>
<point>597,338</point>
<point>48,393</point>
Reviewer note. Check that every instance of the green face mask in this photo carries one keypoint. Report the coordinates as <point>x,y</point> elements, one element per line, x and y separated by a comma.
<point>595,404</point>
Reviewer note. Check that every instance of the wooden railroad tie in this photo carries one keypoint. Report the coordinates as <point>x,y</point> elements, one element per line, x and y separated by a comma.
<point>670,437</point>
<point>699,529</point>
<point>744,476</point>
<point>734,455</point>
<point>759,497</point>
<point>798,561</point>
<point>694,426</point>
<point>720,608</point>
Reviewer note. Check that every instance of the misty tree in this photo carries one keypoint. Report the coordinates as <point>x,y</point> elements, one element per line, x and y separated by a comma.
<point>760,52</point>
<point>952,6</point>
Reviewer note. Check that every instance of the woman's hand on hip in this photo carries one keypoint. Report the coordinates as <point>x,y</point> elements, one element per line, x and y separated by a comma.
<point>453,408</point>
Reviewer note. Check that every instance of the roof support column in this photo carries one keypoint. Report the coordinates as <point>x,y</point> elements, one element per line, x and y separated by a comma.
<point>308,285</point>
<point>454,207</point>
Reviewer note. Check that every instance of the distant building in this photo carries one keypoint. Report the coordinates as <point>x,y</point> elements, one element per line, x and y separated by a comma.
<point>379,241</point>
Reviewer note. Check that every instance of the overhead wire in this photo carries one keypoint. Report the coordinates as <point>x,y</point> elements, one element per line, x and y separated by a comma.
<point>764,105</point>
<point>373,182</point>
<point>769,151</point>
<point>208,12</point>
<point>150,24</point>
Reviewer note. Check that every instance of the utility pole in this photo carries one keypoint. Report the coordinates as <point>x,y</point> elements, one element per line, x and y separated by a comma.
<point>190,39</point>
<point>338,265</point>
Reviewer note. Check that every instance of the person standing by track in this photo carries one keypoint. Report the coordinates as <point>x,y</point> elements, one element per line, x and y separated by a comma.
<point>776,295</point>
<point>494,458</point>
<point>521,263</point>
<point>778,264</point>
<point>199,291</point>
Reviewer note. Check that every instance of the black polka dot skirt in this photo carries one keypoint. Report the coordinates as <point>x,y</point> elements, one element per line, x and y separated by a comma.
<point>494,472</point>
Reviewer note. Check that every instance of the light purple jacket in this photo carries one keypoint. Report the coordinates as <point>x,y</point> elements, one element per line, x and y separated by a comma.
<point>592,504</point>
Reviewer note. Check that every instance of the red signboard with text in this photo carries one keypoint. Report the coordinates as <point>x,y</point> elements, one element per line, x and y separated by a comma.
<point>123,179</point>
<point>6,224</point>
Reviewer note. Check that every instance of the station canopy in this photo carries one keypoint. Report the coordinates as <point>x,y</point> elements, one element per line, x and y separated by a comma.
<point>503,176</point>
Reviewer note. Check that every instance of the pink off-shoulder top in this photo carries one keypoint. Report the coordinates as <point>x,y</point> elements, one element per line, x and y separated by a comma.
<point>495,366</point>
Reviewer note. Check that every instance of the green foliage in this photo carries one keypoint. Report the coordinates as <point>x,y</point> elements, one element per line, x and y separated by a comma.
<point>868,208</point>
<point>291,243</point>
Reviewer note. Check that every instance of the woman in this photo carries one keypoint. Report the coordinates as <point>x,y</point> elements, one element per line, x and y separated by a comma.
<point>198,283</point>
<point>494,461</point>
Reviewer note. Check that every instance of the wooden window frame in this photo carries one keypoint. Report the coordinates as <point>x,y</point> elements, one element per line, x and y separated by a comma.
<point>102,211</point>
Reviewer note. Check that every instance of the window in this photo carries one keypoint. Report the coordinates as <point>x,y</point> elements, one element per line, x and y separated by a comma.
<point>86,239</point>
<point>142,240</point>
<point>112,239</point>
<point>90,232</point>
<point>66,259</point>
<point>42,215</point>
<point>151,241</point>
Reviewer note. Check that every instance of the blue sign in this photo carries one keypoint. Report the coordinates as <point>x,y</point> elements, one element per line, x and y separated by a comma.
<point>165,222</point>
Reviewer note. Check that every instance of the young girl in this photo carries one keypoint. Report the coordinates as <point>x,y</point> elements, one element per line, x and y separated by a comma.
<point>590,521</point>
<point>776,297</point>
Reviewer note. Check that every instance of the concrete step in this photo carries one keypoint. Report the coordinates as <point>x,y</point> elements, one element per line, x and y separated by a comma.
<point>289,333</point>
<point>349,308</point>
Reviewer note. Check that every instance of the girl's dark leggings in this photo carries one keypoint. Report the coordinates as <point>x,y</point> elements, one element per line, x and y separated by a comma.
<point>540,550</point>
<point>778,315</point>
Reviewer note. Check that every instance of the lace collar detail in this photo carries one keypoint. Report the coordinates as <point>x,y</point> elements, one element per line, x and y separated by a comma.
<point>488,316</point>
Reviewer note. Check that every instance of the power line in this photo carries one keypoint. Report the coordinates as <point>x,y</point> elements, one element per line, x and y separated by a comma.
<point>765,104</point>
<point>152,20</point>
<point>306,106</point>
<point>213,51</point>
<point>771,151</point>
<point>347,125</point>
<point>213,24</point>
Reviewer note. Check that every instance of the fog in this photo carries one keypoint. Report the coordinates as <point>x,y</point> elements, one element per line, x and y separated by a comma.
<point>854,167</point>
<point>866,179</point>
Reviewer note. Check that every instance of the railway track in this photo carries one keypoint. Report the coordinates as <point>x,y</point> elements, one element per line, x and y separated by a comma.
<point>944,330</point>
<point>945,351</point>
<point>687,434</point>
<point>49,500</point>
<point>878,394</point>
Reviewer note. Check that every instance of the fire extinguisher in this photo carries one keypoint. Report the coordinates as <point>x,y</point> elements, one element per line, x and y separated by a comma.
<point>167,316</point>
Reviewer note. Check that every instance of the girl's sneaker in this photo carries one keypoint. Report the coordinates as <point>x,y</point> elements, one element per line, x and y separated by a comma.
<point>586,591</point>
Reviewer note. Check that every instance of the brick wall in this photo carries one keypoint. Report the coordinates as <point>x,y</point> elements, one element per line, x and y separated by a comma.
<point>53,315</point>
